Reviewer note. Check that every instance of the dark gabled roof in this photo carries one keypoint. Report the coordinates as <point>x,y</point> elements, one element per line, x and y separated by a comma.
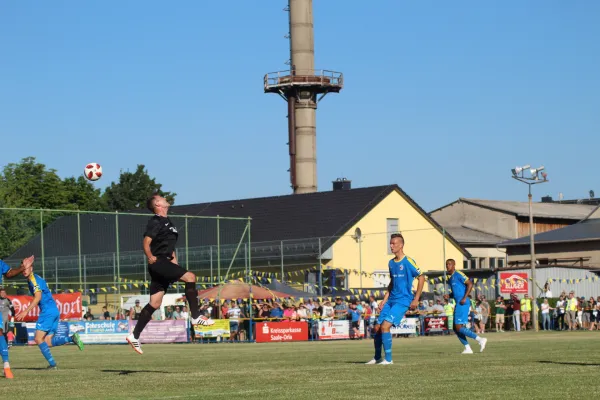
<point>301,216</point>
<point>585,231</point>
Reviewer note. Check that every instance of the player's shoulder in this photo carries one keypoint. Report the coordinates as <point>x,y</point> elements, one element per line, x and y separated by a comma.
<point>461,274</point>
<point>410,260</point>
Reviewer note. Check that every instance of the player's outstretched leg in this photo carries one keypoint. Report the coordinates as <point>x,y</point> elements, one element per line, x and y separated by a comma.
<point>378,343</point>
<point>44,348</point>
<point>191,295</point>
<point>468,333</point>
<point>54,341</point>
<point>4,351</point>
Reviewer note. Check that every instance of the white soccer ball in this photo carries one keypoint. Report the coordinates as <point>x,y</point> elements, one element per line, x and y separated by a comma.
<point>92,171</point>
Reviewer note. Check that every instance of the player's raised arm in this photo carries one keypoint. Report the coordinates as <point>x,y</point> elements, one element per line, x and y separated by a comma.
<point>9,272</point>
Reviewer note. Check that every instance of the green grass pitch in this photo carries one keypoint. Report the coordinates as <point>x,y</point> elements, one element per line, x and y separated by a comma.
<point>522,365</point>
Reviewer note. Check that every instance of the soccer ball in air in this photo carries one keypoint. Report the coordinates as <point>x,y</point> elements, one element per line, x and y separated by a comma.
<point>93,171</point>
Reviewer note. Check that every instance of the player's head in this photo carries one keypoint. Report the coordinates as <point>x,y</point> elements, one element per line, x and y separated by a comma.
<point>28,271</point>
<point>2,292</point>
<point>396,243</point>
<point>157,202</point>
<point>450,266</point>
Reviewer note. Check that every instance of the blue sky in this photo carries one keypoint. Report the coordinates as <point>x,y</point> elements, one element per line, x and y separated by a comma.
<point>442,98</point>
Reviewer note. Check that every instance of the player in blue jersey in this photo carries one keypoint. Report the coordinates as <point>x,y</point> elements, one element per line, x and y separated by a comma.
<point>47,322</point>
<point>461,287</point>
<point>9,272</point>
<point>398,299</point>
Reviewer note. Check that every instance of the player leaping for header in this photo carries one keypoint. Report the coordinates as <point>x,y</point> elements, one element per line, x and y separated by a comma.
<point>47,322</point>
<point>461,286</point>
<point>398,299</point>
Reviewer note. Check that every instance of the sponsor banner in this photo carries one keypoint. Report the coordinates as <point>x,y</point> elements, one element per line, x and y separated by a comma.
<point>408,326</point>
<point>516,282</point>
<point>329,330</point>
<point>281,331</point>
<point>69,305</point>
<point>435,324</point>
<point>61,331</point>
<point>169,331</point>
<point>221,328</point>
<point>100,331</point>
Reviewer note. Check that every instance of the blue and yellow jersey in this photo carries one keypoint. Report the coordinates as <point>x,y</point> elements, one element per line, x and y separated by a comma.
<point>47,304</point>
<point>4,268</point>
<point>458,283</point>
<point>402,274</point>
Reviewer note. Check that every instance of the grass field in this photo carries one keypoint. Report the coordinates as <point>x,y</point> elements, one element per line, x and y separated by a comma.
<point>522,365</point>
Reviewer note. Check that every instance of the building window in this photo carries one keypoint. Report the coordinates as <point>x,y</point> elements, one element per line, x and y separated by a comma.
<point>501,263</point>
<point>392,227</point>
<point>482,263</point>
<point>465,264</point>
<point>473,263</point>
<point>492,262</point>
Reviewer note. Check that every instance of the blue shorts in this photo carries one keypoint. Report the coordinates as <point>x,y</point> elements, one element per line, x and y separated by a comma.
<point>392,313</point>
<point>461,313</point>
<point>234,326</point>
<point>48,323</point>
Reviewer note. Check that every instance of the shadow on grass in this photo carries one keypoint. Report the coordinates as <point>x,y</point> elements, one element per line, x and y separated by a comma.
<point>32,369</point>
<point>571,363</point>
<point>129,372</point>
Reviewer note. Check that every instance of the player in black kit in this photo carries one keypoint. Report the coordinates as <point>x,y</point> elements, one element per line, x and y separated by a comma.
<point>159,246</point>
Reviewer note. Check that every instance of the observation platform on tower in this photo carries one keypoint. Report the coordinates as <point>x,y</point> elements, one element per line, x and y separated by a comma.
<point>316,81</point>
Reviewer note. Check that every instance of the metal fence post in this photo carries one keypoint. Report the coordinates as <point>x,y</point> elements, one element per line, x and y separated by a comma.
<point>42,243</point>
<point>218,249</point>
<point>444,263</point>
<point>211,264</point>
<point>118,255</point>
<point>187,251</point>
<point>84,275</point>
<point>320,269</point>
<point>56,271</point>
<point>250,268</point>
<point>79,245</point>
<point>281,250</point>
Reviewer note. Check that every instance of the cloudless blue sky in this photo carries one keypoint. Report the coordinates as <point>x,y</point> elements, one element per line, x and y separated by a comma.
<point>442,98</point>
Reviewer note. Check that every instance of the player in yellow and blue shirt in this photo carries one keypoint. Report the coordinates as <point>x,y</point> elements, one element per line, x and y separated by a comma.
<point>461,287</point>
<point>398,299</point>
<point>47,322</point>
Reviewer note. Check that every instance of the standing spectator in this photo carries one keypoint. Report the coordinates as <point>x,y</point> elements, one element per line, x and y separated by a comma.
<point>105,313</point>
<point>185,314</point>
<point>500,311</point>
<point>6,309</point>
<point>341,309</point>
<point>580,312</point>
<point>135,311</point>
<point>571,311</point>
<point>225,309</point>
<point>449,311</point>
<point>526,311</point>
<point>561,312</point>
<point>303,314</point>
<point>354,315</point>
<point>234,313</point>
<point>328,312</point>
<point>547,291</point>
<point>276,311</point>
<point>177,313</point>
<point>485,313</point>
<point>263,311</point>
<point>310,306</point>
<point>169,313</point>
<point>546,315</point>
<point>516,307</point>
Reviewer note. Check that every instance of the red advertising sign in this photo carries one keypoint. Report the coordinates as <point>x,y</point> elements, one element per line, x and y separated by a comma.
<point>281,331</point>
<point>69,305</point>
<point>436,324</point>
<point>514,282</point>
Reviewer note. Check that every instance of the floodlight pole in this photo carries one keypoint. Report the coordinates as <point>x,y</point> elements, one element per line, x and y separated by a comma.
<point>530,182</point>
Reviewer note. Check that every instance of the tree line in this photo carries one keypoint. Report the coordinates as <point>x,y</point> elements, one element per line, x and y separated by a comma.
<point>30,184</point>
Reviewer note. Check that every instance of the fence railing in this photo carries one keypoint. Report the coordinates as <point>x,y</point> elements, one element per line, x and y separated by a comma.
<point>81,250</point>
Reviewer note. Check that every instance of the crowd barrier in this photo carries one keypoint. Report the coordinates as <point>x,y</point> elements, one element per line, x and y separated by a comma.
<point>111,331</point>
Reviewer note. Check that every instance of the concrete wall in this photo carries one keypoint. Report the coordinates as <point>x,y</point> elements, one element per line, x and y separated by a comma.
<point>463,214</point>
<point>423,242</point>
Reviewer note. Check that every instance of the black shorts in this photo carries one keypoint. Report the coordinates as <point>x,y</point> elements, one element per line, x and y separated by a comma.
<point>162,274</point>
<point>355,325</point>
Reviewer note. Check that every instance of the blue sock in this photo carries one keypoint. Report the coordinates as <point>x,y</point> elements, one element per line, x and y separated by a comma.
<point>46,353</point>
<point>378,346</point>
<point>462,338</point>
<point>386,338</point>
<point>59,341</point>
<point>468,333</point>
<point>3,348</point>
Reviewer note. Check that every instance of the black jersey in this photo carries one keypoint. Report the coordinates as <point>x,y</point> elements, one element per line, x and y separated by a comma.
<point>164,236</point>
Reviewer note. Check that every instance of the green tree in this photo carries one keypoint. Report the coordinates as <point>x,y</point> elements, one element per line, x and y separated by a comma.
<point>82,195</point>
<point>133,189</point>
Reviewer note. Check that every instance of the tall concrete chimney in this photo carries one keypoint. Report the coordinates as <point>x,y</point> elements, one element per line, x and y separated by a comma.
<point>300,87</point>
